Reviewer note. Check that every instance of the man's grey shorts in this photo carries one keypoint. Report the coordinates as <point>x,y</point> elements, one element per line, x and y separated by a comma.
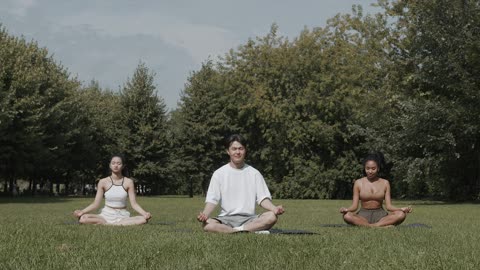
<point>236,220</point>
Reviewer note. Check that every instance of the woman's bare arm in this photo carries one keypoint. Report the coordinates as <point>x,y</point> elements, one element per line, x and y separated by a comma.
<point>96,201</point>
<point>356,198</point>
<point>388,201</point>
<point>132,195</point>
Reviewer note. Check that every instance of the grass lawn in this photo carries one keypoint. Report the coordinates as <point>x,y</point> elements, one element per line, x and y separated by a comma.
<point>39,233</point>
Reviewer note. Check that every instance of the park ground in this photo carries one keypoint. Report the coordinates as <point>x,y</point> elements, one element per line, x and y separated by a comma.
<point>41,233</point>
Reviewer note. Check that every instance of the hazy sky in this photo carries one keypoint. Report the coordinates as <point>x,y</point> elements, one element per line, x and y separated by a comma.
<point>105,39</point>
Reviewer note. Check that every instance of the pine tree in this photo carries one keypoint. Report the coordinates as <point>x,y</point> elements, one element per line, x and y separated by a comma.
<point>142,131</point>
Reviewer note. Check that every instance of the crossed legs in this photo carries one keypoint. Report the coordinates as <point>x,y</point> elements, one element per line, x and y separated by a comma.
<point>264,222</point>
<point>393,218</point>
<point>99,220</point>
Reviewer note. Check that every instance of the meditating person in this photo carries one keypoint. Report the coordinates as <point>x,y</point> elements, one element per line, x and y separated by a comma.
<point>237,186</point>
<point>372,191</point>
<point>115,188</point>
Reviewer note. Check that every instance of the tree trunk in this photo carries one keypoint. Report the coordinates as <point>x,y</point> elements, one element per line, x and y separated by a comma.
<point>15,191</point>
<point>11,185</point>
<point>67,186</point>
<point>34,185</point>
<point>190,188</point>
<point>478,176</point>
<point>83,187</point>
<point>57,188</point>
<point>42,183</point>
<point>50,188</point>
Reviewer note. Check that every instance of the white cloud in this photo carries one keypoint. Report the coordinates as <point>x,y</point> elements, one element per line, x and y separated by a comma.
<point>20,7</point>
<point>106,39</point>
<point>199,40</point>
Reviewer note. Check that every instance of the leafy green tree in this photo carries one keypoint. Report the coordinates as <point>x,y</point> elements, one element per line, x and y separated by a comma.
<point>99,110</point>
<point>404,81</point>
<point>302,100</point>
<point>34,91</point>
<point>302,104</point>
<point>433,131</point>
<point>203,125</point>
<point>142,130</point>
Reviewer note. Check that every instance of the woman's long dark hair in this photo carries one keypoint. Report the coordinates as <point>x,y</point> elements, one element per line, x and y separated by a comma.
<point>124,168</point>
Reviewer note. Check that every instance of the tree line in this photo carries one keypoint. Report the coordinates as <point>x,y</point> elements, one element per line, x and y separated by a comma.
<point>404,81</point>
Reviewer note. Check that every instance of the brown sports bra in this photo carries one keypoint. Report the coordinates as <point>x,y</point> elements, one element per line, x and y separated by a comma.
<point>372,191</point>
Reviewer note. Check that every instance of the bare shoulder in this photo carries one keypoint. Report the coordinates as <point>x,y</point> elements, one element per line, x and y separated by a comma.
<point>358,183</point>
<point>128,182</point>
<point>385,182</point>
<point>102,182</point>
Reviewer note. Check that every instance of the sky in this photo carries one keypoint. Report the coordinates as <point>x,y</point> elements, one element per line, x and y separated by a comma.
<point>105,40</point>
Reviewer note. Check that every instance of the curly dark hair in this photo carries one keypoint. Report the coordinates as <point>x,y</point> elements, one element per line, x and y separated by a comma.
<point>378,158</point>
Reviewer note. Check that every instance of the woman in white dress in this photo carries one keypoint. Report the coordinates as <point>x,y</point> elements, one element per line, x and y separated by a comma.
<point>116,188</point>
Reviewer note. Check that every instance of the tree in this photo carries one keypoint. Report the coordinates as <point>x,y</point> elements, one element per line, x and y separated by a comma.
<point>33,90</point>
<point>435,78</point>
<point>203,124</point>
<point>142,131</point>
<point>99,112</point>
<point>302,99</point>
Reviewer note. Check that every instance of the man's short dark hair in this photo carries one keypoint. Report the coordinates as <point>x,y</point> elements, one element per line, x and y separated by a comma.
<point>235,138</point>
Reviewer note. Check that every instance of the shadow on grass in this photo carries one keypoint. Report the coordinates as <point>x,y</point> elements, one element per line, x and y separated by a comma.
<point>441,203</point>
<point>435,202</point>
<point>61,199</point>
<point>410,225</point>
<point>163,223</point>
<point>168,196</point>
<point>34,199</point>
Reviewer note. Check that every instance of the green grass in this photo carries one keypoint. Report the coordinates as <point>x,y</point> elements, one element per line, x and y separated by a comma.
<point>37,233</point>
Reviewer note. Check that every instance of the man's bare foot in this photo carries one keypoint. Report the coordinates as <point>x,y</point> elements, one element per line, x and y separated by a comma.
<point>385,227</point>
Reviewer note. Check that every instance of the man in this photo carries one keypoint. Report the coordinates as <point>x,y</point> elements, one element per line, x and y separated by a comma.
<point>237,186</point>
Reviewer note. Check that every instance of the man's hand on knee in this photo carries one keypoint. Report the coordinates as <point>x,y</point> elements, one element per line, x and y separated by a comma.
<point>278,210</point>
<point>202,217</point>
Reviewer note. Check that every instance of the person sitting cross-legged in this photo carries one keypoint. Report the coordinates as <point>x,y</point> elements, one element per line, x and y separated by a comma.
<point>116,188</point>
<point>237,186</point>
<point>371,191</point>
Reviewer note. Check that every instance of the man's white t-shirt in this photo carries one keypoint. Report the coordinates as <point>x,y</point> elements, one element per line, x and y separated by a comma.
<point>237,190</point>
